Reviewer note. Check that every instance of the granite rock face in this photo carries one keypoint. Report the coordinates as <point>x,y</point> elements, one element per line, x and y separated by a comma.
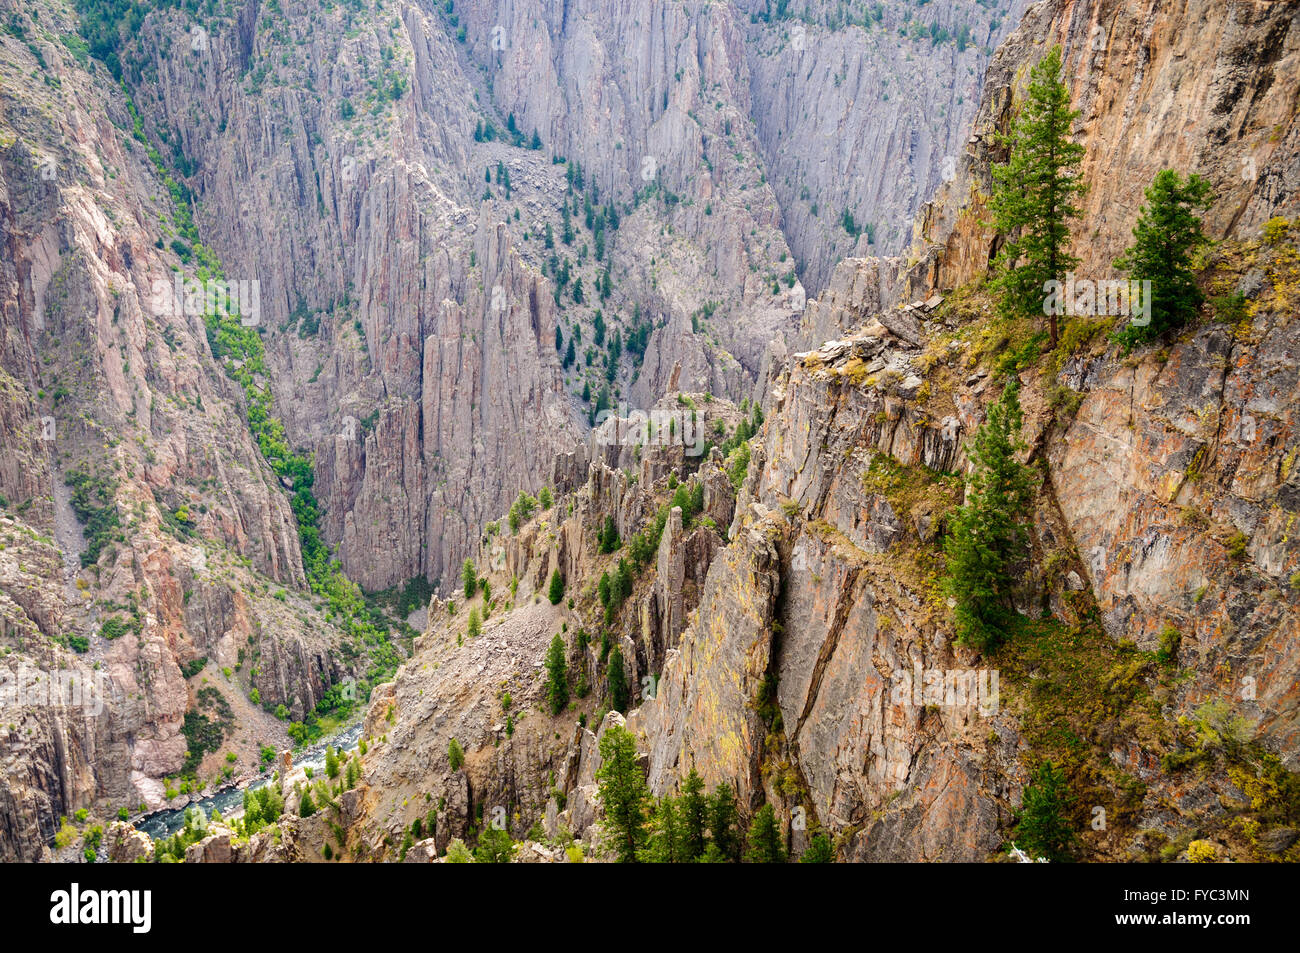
<point>815,608</point>
<point>486,693</point>
<point>1217,99</point>
<point>110,402</point>
<point>803,674</point>
<point>411,346</point>
<point>1173,477</point>
<point>864,111</point>
<point>428,406</point>
<point>1185,520</point>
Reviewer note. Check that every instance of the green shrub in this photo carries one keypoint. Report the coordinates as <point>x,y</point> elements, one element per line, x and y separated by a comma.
<point>1170,641</point>
<point>458,853</point>
<point>114,627</point>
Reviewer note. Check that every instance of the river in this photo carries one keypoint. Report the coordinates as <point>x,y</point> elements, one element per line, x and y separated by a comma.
<point>167,822</point>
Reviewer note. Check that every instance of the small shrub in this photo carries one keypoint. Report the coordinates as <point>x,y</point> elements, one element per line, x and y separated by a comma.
<point>1170,641</point>
<point>1237,546</point>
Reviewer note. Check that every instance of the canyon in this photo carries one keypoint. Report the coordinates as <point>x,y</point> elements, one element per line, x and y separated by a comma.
<point>486,241</point>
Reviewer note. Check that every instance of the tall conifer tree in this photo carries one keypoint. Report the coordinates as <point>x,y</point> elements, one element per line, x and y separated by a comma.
<point>989,535</point>
<point>1034,194</point>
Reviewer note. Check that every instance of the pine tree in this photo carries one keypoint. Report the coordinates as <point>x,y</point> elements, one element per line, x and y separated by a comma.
<point>989,536</point>
<point>1167,234</point>
<point>559,339</point>
<point>609,540</point>
<point>352,775</point>
<point>475,623</point>
<point>252,813</point>
<point>712,855</point>
<point>693,810</point>
<point>306,807</point>
<point>1034,193</point>
<point>470,577</point>
<point>556,591</point>
<point>617,680</point>
<point>557,679</point>
<point>407,843</point>
<point>664,838</point>
<point>623,793</point>
<point>623,580</point>
<point>494,847</point>
<point>1041,830</point>
<point>455,754</point>
<point>521,510</point>
<point>819,851</point>
<point>331,763</point>
<point>723,823</point>
<point>766,845</point>
<point>270,803</point>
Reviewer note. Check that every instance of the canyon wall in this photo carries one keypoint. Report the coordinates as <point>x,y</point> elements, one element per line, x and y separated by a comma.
<point>144,536</point>
<point>1159,600</point>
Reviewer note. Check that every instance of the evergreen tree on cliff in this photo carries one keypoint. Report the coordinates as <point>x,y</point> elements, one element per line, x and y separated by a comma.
<point>694,815</point>
<point>1041,829</point>
<point>664,841</point>
<point>557,682</point>
<point>1034,194</point>
<point>623,793</point>
<point>819,851</point>
<point>1167,234</point>
<point>989,534</point>
<point>616,680</point>
<point>766,845</point>
<point>723,825</point>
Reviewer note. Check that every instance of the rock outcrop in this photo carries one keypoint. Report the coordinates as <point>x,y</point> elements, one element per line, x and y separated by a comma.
<point>864,111</point>
<point>144,535</point>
